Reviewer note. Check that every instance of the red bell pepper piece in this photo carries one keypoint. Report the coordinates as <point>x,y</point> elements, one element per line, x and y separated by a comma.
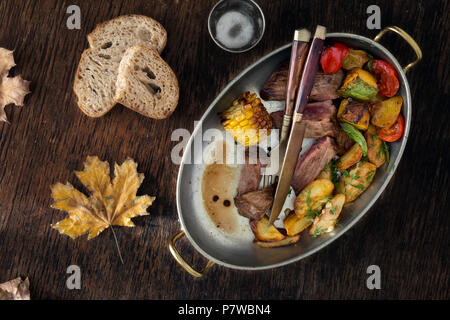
<point>332,56</point>
<point>387,79</point>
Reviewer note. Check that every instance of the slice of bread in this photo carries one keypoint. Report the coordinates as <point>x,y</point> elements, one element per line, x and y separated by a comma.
<point>95,81</point>
<point>146,84</point>
<point>128,30</point>
<point>97,71</point>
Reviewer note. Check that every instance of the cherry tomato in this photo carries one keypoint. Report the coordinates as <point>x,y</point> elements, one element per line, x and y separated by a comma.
<point>331,58</point>
<point>393,133</point>
<point>387,79</point>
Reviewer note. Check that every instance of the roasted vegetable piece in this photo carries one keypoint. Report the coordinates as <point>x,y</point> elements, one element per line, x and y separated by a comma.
<point>264,231</point>
<point>352,156</point>
<point>327,219</point>
<point>359,84</point>
<point>355,59</point>
<point>356,135</point>
<point>357,180</point>
<point>395,132</point>
<point>312,197</point>
<point>285,242</point>
<point>247,120</point>
<point>375,151</point>
<point>326,173</point>
<point>294,225</point>
<point>355,113</point>
<point>330,172</point>
<point>385,113</point>
<point>387,79</point>
<point>332,56</point>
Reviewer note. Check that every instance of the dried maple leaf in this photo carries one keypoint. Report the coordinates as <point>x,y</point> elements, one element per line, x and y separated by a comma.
<point>12,90</point>
<point>109,204</point>
<point>16,289</point>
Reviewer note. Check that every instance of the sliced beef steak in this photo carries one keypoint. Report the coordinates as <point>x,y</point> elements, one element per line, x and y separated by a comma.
<point>326,85</point>
<point>255,204</point>
<point>275,87</point>
<point>250,175</point>
<point>324,88</point>
<point>312,162</point>
<point>318,117</point>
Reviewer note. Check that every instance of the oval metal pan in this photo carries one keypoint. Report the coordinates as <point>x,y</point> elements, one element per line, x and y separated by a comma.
<point>242,253</point>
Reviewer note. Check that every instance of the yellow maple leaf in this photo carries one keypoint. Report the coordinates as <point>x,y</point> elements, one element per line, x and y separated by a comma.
<point>109,204</point>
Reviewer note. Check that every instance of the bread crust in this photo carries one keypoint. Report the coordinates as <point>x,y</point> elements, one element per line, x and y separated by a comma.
<point>105,24</point>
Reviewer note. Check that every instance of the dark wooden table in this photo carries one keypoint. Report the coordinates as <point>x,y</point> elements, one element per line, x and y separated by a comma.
<point>406,233</point>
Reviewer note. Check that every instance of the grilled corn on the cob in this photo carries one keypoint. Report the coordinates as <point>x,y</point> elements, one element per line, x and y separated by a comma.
<point>247,120</point>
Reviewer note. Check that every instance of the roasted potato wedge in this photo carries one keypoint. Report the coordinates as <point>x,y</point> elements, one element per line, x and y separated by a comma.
<point>357,180</point>
<point>294,225</point>
<point>355,113</point>
<point>312,197</point>
<point>385,113</point>
<point>327,219</point>
<point>285,242</point>
<point>326,173</point>
<point>375,152</point>
<point>352,156</point>
<point>264,231</point>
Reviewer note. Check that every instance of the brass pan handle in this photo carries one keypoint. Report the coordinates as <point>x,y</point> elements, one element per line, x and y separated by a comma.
<point>402,33</point>
<point>183,263</point>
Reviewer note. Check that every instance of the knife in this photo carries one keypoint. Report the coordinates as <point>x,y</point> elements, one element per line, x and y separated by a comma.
<point>299,52</point>
<point>300,46</point>
<point>295,141</point>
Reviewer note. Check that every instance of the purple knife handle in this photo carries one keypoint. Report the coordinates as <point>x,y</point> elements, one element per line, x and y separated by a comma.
<point>309,73</point>
<point>298,57</point>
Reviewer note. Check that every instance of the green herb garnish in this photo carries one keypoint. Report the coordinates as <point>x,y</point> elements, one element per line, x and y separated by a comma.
<point>312,213</point>
<point>317,232</point>
<point>360,187</point>
<point>356,135</point>
<point>385,149</point>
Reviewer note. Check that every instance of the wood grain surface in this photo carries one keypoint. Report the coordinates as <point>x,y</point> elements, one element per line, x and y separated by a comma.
<point>406,233</point>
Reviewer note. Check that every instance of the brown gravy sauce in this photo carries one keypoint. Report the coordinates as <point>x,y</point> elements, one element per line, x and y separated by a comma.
<point>218,191</point>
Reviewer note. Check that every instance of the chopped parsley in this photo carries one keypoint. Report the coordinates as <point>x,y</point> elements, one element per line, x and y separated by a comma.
<point>317,232</point>
<point>385,149</point>
<point>312,213</point>
<point>333,210</point>
<point>360,187</point>
<point>370,175</point>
